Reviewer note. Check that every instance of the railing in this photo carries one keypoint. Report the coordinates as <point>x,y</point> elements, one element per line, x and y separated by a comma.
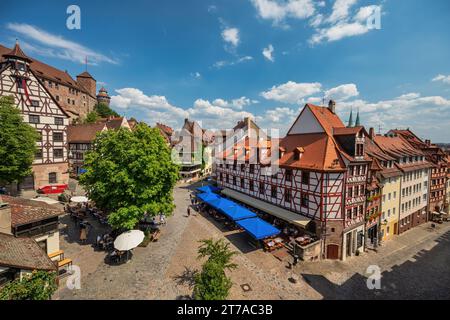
<point>38,230</point>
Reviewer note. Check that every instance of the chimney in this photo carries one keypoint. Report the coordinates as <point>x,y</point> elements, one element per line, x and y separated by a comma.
<point>5,218</point>
<point>332,106</point>
<point>428,142</point>
<point>186,120</point>
<point>372,133</point>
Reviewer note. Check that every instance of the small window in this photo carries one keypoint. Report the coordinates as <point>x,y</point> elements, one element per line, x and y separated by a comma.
<point>52,177</point>
<point>251,186</point>
<point>273,191</point>
<point>59,121</point>
<point>21,66</point>
<point>261,187</point>
<point>58,153</point>
<point>33,118</point>
<point>242,183</point>
<point>57,98</point>
<point>252,168</point>
<point>288,175</point>
<point>58,137</point>
<point>304,201</point>
<point>38,154</point>
<point>287,195</point>
<point>305,177</point>
<point>34,103</point>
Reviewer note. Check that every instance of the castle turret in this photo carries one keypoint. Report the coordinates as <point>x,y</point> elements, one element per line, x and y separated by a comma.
<point>103,96</point>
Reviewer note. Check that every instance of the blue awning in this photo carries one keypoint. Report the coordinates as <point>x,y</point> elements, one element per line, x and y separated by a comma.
<point>239,213</point>
<point>208,189</point>
<point>205,197</point>
<point>258,228</point>
<point>221,204</point>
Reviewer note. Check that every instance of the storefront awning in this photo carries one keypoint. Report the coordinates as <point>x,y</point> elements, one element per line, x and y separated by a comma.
<point>258,228</point>
<point>286,215</point>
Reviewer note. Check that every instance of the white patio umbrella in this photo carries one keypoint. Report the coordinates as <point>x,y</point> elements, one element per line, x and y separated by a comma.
<point>79,199</point>
<point>46,200</point>
<point>129,240</point>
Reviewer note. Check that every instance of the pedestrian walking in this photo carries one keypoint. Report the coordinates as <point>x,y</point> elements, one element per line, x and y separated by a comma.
<point>189,211</point>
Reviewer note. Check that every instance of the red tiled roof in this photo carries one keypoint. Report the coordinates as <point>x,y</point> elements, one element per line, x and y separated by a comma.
<point>84,133</point>
<point>25,211</point>
<point>17,52</point>
<point>23,253</point>
<point>320,152</point>
<point>49,72</point>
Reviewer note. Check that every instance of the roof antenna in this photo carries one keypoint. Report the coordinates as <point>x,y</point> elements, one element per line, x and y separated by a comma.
<point>379,128</point>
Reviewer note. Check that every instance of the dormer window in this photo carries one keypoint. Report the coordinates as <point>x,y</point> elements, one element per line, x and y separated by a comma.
<point>21,66</point>
<point>298,153</point>
<point>359,150</point>
<point>281,152</point>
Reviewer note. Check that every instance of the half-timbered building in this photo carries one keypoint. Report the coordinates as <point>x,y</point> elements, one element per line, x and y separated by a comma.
<point>41,111</point>
<point>319,183</point>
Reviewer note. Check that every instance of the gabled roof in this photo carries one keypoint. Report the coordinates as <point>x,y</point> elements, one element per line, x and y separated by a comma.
<point>43,70</point>
<point>320,152</point>
<point>327,119</point>
<point>25,211</point>
<point>85,74</point>
<point>23,253</point>
<point>17,52</point>
<point>84,133</point>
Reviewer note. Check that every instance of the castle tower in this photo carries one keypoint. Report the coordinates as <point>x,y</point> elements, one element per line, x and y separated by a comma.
<point>87,82</point>
<point>103,96</point>
<point>358,121</point>
<point>350,119</point>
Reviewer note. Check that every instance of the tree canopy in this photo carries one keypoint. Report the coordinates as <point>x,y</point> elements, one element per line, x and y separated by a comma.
<point>104,111</point>
<point>130,174</point>
<point>17,143</point>
<point>212,283</point>
<point>91,117</point>
<point>39,285</point>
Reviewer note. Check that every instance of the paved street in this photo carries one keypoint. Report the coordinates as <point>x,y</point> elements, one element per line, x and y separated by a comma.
<point>164,270</point>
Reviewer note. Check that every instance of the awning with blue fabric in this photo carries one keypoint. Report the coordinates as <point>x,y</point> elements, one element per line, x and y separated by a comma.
<point>221,204</point>
<point>208,189</point>
<point>205,197</point>
<point>258,228</point>
<point>238,213</point>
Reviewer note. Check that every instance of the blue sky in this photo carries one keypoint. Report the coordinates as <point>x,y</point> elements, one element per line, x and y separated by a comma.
<point>218,61</point>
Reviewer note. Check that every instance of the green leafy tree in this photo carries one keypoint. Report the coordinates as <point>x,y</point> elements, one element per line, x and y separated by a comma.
<point>104,111</point>
<point>129,174</point>
<point>212,283</point>
<point>39,285</point>
<point>91,117</point>
<point>17,143</point>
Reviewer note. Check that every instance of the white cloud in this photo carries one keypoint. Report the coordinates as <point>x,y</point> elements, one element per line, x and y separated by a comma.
<point>442,78</point>
<point>231,35</point>
<point>342,92</point>
<point>215,115</point>
<point>224,63</point>
<point>343,22</point>
<point>196,75</point>
<point>277,11</point>
<point>341,10</point>
<point>268,53</point>
<point>56,46</point>
<point>239,103</point>
<point>291,92</point>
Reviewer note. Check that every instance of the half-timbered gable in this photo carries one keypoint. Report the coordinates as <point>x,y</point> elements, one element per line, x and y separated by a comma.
<point>42,112</point>
<point>309,176</point>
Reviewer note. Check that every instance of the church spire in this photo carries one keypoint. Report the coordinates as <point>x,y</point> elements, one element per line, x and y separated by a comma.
<point>350,119</point>
<point>357,122</point>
